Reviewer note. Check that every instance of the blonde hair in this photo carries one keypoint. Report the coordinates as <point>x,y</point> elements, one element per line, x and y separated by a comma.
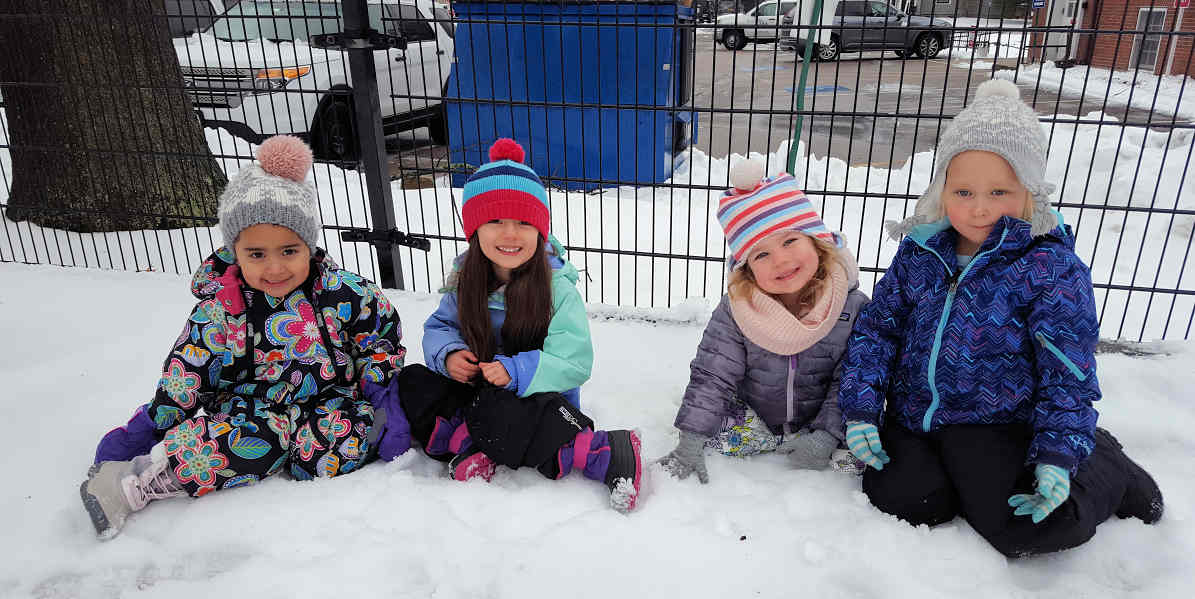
<point>742,280</point>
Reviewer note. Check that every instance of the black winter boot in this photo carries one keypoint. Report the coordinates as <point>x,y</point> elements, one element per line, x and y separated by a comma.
<point>1142,498</point>
<point>625,473</point>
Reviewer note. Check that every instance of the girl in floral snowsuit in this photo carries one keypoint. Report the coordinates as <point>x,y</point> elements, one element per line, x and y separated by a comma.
<point>282,353</point>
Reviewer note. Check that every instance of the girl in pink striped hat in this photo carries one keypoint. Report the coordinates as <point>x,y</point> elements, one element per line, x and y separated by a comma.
<point>766,373</point>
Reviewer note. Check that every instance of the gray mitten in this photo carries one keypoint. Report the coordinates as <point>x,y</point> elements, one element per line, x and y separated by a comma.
<point>687,458</point>
<point>811,451</point>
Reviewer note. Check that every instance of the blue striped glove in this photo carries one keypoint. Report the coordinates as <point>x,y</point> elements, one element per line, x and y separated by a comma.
<point>863,439</point>
<point>1053,487</point>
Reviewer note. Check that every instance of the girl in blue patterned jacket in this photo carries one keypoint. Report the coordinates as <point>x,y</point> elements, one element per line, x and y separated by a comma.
<point>969,379</point>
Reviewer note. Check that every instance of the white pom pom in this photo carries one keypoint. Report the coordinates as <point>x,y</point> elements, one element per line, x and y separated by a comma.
<point>747,174</point>
<point>998,87</point>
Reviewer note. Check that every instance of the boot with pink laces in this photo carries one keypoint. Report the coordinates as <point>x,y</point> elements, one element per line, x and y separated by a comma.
<point>114,490</point>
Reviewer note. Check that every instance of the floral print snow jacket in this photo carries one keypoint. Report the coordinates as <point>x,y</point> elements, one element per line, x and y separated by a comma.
<point>242,343</point>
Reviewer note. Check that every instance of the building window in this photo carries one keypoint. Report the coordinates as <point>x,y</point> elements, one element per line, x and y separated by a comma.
<point>1146,47</point>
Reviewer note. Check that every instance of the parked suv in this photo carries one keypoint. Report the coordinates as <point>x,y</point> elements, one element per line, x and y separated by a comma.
<point>760,24</point>
<point>237,79</point>
<point>860,25</point>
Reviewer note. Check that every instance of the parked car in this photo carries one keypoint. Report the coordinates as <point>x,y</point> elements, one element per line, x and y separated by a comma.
<point>861,25</point>
<point>760,24</point>
<point>254,89</point>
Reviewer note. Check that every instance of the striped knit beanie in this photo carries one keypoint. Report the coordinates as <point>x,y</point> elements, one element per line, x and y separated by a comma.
<point>756,207</point>
<point>274,190</point>
<point>505,188</point>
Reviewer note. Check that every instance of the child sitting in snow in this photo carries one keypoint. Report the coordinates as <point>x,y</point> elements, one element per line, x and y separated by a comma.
<point>766,373</point>
<point>969,379</point>
<point>275,353</point>
<point>509,347</point>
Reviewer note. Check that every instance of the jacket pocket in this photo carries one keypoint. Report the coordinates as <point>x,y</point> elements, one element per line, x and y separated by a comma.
<point>1049,345</point>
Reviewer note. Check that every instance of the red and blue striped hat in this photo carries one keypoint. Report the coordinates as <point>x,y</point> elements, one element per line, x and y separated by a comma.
<point>755,208</point>
<point>505,188</point>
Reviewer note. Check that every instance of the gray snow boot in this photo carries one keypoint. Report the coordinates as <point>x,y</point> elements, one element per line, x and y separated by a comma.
<point>113,490</point>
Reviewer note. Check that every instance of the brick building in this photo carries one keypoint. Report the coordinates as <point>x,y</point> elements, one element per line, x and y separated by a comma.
<point>1118,46</point>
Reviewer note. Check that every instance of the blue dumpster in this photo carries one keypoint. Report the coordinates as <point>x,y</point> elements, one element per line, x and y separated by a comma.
<point>596,94</point>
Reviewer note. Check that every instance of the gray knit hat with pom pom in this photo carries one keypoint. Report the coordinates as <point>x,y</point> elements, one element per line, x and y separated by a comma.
<point>274,190</point>
<point>996,121</point>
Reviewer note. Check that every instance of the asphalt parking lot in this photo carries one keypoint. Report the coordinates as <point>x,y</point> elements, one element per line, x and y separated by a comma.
<point>872,108</point>
<point>885,108</point>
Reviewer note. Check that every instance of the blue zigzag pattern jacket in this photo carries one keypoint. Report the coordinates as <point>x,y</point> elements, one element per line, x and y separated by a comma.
<point>1009,338</point>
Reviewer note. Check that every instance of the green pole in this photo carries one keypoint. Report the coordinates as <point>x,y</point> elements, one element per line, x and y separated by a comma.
<point>795,135</point>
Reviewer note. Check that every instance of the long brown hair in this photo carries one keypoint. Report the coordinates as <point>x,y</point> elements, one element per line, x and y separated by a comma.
<point>528,302</point>
<point>742,280</point>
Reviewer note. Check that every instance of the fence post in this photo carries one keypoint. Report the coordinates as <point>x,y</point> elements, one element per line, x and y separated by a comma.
<point>367,117</point>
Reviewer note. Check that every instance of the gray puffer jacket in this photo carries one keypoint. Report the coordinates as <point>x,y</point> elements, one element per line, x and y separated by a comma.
<point>788,392</point>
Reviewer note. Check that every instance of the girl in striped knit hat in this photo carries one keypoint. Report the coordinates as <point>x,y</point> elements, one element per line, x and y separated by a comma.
<point>509,348</point>
<point>766,373</point>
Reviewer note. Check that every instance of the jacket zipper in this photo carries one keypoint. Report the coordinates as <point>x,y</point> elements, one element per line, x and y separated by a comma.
<point>954,280</point>
<point>1046,343</point>
<point>792,371</point>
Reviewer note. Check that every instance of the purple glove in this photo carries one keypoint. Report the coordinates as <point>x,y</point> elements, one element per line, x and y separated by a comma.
<point>395,439</point>
<point>129,441</point>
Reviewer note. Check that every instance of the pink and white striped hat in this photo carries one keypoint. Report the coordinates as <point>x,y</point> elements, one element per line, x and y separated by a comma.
<point>757,207</point>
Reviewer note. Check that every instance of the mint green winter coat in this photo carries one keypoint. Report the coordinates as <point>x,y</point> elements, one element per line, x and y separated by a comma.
<point>561,366</point>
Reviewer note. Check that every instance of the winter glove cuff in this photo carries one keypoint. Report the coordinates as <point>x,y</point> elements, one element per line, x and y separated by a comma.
<point>389,418</point>
<point>126,442</point>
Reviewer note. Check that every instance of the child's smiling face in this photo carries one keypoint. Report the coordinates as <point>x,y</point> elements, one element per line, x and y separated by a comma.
<point>273,259</point>
<point>508,243</point>
<point>783,262</point>
<point>980,188</point>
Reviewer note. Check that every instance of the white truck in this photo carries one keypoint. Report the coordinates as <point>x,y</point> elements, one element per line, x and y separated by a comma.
<point>255,72</point>
<point>760,24</point>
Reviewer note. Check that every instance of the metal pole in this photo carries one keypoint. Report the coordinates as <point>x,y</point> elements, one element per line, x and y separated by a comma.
<point>367,116</point>
<point>795,136</point>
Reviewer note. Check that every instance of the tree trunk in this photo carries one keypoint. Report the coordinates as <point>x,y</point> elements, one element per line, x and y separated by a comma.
<point>102,136</point>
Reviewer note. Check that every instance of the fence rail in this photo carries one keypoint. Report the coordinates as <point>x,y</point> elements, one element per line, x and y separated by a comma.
<point>632,113</point>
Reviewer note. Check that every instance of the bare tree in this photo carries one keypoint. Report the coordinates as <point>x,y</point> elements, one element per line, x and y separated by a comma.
<point>102,136</point>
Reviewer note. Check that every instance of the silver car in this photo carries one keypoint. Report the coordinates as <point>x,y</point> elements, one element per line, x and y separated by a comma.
<point>860,25</point>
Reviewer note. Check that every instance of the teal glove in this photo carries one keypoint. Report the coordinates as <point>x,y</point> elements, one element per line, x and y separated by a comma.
<point>1053,487</point>
<point>863,439</point>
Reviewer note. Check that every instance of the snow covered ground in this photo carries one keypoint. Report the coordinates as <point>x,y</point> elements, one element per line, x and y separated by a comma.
<point>1165,95</point>
<point>83,347</point>
<point>999,39</point>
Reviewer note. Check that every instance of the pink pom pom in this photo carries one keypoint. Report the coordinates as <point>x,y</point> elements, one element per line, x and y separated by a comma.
<point>285,156</point>
<point>506,149</point>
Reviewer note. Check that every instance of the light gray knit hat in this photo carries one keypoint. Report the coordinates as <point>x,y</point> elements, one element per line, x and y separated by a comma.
<point>996,121</point>
<point>273,190</point>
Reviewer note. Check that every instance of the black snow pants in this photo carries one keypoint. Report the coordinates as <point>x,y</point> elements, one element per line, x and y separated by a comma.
<point>971,471</point>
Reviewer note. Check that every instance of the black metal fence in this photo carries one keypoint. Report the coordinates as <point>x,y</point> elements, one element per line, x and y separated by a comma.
<point>633,114</point>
